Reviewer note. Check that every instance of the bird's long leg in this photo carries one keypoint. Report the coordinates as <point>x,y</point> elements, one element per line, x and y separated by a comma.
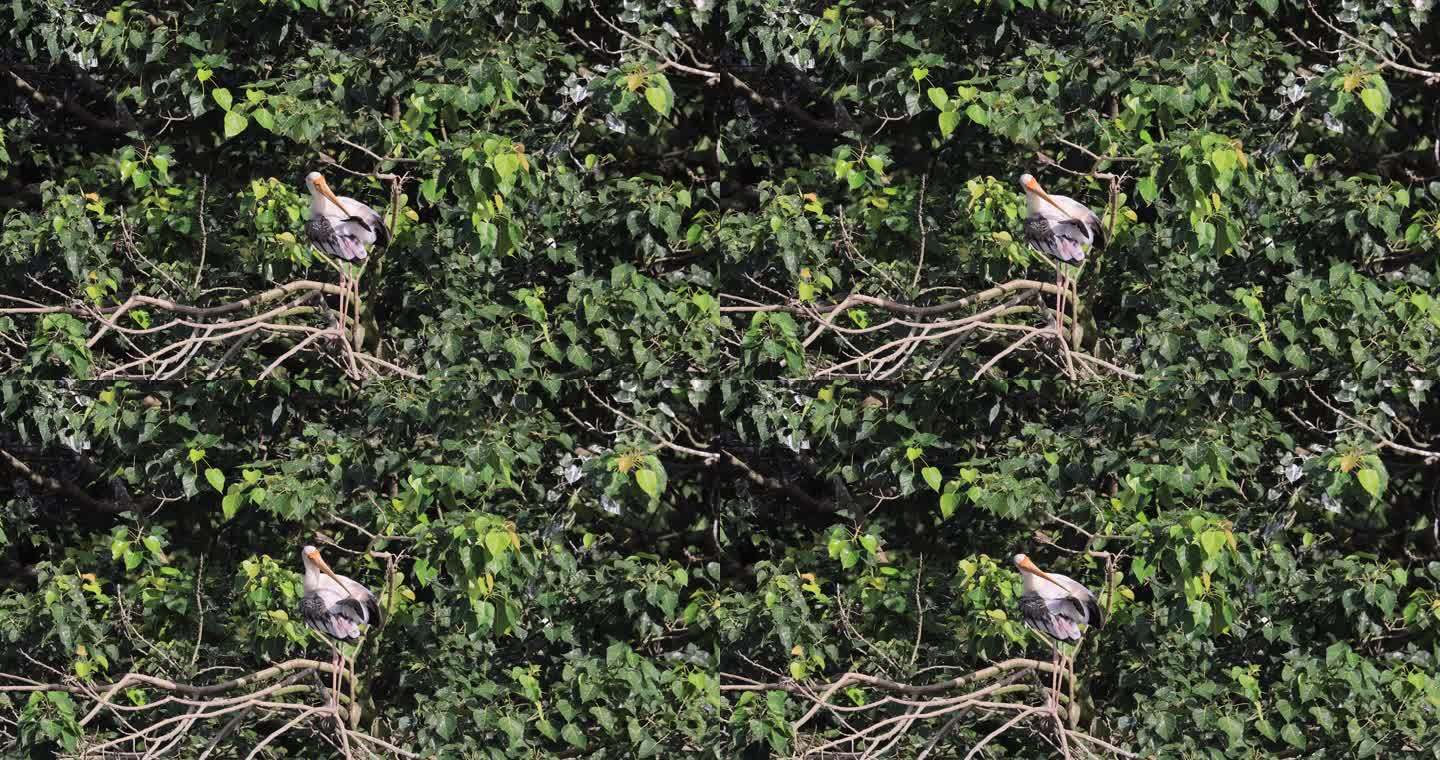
<point>1059,301</point>
<point>1054,680</point>
<point>342,333</point>
<point>1075,330</point>
<point>1061,336</point>
<point>334,678</point>
<point>344,305</point>
<point>1072,713</point>
<point>353,713</point>
<point>1060,723</point>
<point>355,286</point>
<point>340,325</point>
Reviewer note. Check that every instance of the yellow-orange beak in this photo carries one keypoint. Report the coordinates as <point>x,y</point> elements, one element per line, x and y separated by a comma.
<point>1029,567</point>
<point>324,188</point>
<point>314,556</point>
<point>1034,186</point>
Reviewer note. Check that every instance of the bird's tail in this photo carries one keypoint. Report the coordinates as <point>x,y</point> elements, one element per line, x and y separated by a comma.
<point>1097,615</point>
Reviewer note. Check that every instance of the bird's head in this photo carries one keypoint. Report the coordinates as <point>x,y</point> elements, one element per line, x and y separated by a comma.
<point>1032,185</point>
<point>315,182</point>
<point>311,557</point>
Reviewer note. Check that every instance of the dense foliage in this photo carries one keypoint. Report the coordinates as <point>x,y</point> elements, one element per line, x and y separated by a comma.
<point>708,354</point>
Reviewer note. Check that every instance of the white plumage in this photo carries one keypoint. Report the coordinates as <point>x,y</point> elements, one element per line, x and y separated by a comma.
<point>342,227</point>
<point>333,604</point>
<point>1054,604</point>
<point>1059,226</point>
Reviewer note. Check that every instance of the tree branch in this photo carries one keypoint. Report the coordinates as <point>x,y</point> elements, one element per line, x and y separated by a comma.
<point>68,106</point>
<point>73,491</point>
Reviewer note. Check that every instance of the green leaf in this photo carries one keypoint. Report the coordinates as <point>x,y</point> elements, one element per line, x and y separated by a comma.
<point>948,503</point>
<point>263,118</point>
<point>577,356</point>
<point>1147,189</point>
<point>1223,159</point>
<point>659,99</point>
<point>231,504</point>
<point>497,542</point>
<point>1373,100</point>
<point>153,545</point>
<point>978,114</point>
<point>1370,481</point>
<point>235,124</point>
<point>573,735</point>
<point>216,479</point>
<point>1213,541</point>
<point>223,97</point>
<point>648,481</point>
<point>932,476</point>
<point>506,164</point>
<point>939,97</point>
<point>1234,729</point>
<point>949,120</point>
<point>1293,736</point>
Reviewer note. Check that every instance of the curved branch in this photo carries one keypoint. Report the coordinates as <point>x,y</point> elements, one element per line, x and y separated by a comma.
<point>73,491</point>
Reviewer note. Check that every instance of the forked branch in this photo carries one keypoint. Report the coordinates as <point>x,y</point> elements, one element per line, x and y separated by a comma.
<point>146,337</point>
<point>876,714</point>
<point>143,715</point>
<point>870,349</point>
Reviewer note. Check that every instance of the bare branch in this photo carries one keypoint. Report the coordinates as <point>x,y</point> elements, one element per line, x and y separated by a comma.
<point>1381,440</point>
<point>71,490</point>
<point>1431,78</point>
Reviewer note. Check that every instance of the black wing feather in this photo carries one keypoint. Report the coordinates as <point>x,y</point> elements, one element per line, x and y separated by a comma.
<point>1051,237</point>
<point>373,605</point>
<point>1098,229</point>
<point>1097,615</point>
<point>318,616</point>
<point>333,241</point>
<point>1040,614</point>
<point>324,619</point>
<point>312,611</point>
<point>351,610</point>
<point>381,230</point>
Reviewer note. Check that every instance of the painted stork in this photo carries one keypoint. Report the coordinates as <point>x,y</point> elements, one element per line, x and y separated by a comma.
<point>335,606</point>
<point>1061,228</point>
<point>1056,606</point>
<point>343,229</point>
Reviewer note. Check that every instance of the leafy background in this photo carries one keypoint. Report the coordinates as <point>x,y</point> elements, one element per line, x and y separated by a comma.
<point>611,485</point>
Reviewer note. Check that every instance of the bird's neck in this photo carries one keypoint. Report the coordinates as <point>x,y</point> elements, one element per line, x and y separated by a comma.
<point>322,206</point>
